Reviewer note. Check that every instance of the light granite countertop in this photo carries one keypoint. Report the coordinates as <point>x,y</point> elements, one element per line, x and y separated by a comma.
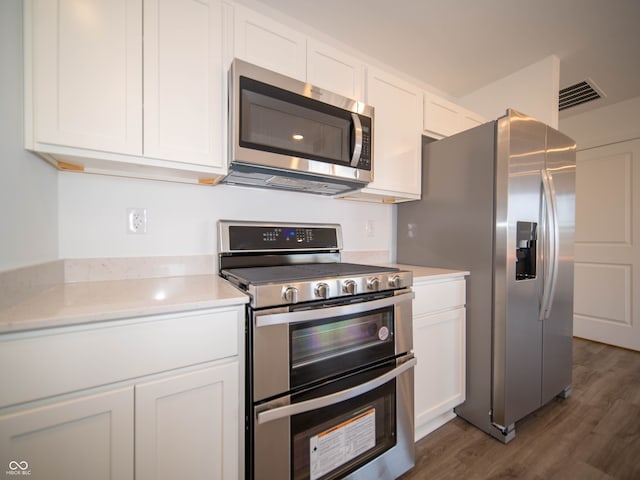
<point>85,302</point>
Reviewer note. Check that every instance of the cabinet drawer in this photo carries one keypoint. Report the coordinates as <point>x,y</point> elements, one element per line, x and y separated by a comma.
<point>40,364</point>
<point>433,297</point>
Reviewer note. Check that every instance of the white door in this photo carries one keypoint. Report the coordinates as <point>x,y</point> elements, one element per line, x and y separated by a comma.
<point>264,42</point>
<point>187,426</point>
<point>183,118</point>
<point>397,140</point>
<point>89,437</point>
<point>87,73</point>
<point>607,249</point>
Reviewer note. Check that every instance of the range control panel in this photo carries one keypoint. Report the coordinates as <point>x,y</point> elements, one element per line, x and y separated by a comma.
<point>248,237</point>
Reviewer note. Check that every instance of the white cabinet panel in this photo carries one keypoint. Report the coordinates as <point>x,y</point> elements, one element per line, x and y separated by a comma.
<point>436,296</point>
<point>331,69</point>
<point>262,41</point>
<point>84,75</point>
<point>443,118</point>
<point>171,382</point>
<point>46,363</point>
<point>439,343</point>
<point>183,81</point>
<point>439,375</point>
<point>397,141</point>
<point>187,425</point>
<point>76,439</point>
<point>85,65</point>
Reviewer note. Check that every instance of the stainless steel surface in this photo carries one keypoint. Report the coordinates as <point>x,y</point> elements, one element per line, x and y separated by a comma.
<point>329,349</point>
<point>266,319</point>
<point>273,459</point>
<point>558,327</point>
<point>253,167</point>
<point>270,411</point>
<point>272,294</point>
<point>271,337</point>
<point>552,242</point>
<point>357,149</point>
<point>515,361</point>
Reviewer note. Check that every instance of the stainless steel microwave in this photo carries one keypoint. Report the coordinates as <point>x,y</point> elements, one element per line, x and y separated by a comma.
<point>290,135</point>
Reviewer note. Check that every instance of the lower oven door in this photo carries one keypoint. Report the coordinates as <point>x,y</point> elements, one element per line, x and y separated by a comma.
<point>357,427</point>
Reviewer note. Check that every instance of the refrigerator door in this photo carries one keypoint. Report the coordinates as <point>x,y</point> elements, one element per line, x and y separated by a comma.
<point>558,318</point>
<point>518,276</point>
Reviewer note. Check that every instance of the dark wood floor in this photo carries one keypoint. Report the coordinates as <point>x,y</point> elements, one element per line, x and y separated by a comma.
<point>592,435</point>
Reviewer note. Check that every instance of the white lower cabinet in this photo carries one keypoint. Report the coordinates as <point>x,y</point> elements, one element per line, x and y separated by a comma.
<point>439,345</point>
<point>90,436</point>
<point>151,398</point>
<point>187,425</point>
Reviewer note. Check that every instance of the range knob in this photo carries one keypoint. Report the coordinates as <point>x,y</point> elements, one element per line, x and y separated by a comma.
<point>350,287</point>
<point>290,295</point>
<point>321,290</point>
<point>373,284</point>
<point>395,281</point>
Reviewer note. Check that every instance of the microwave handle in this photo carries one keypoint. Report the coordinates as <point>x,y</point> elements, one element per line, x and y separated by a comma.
<point>357,147</point>
<point>315,403</point>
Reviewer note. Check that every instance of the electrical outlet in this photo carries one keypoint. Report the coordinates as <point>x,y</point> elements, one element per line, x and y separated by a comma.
<point>136,220</point>
<point>370,228</point>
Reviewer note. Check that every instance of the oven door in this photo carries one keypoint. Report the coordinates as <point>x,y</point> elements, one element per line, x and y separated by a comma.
<point>357,427</point>
<point>293,349</point>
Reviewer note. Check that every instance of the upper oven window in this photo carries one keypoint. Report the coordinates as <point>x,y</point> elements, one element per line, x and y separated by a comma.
<point>323,348</point>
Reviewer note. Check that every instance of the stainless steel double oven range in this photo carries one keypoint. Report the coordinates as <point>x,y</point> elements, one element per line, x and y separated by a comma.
<point>329,368</point>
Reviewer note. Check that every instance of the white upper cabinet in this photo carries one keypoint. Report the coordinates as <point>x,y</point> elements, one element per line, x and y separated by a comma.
<point>264,42</point>
<point>93,85</point>
<point>333,70</point>
<point>397,139</point>
<point>183,118</point>
<point>443,118</point>
<point>85,71</point>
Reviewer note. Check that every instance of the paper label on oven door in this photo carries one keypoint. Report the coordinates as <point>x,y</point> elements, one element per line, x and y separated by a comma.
<point>342,443</point>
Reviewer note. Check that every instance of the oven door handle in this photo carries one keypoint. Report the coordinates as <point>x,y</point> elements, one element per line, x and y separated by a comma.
<point>278,412</point>
<point>320,313</point>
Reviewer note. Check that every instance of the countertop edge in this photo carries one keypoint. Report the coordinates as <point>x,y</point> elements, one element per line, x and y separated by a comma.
<point>71,304</point>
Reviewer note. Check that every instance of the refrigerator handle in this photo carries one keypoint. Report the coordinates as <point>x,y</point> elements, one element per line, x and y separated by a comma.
<point>552,238</point>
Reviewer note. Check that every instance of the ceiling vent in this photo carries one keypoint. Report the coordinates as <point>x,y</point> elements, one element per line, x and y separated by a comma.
<point>579,93</point>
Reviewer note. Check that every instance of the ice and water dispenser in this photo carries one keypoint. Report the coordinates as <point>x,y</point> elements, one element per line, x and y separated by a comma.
<point>526,239</point>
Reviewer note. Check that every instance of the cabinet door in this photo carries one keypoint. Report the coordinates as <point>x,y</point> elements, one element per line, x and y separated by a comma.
<point>263,42</point>
<point>187,426</point>
<point>85,66</point>
<point>331,69</point>
<point>80,438</point>
<point>397,135</point>
<point>444,118</point>
<point>183,81</point>
<point>439,345</point>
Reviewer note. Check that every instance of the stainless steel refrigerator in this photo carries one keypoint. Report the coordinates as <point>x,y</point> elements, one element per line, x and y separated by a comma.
<point>499,201</point>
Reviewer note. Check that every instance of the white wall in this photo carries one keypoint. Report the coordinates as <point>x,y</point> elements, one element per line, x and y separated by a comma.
<point>28,185</point>
<point>532,90</point>
<point>611,124</point>
<point>181,217</point>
